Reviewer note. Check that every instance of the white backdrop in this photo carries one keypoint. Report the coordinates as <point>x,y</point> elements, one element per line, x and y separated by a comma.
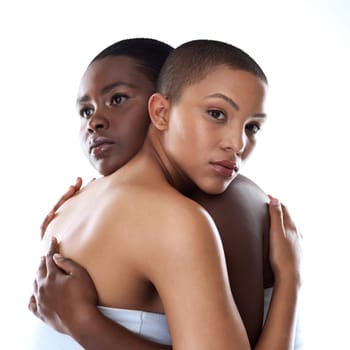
<point>304,48</point>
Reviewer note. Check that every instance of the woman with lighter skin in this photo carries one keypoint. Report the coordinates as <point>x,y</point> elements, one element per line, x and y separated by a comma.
<point>201,132</point>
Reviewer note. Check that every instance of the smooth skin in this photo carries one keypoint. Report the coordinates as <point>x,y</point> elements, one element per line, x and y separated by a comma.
<point>99,335</point>
<point>115,102</point>
<point>210,182</point>
<point>240,214</point>
<point>110,109</point>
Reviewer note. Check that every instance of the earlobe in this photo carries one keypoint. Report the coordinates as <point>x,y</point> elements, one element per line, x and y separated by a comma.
<point>158,108</point>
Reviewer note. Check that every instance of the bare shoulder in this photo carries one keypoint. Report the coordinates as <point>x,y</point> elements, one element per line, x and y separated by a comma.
<point>160,211</point>
<point>245,182</point>
<point>248,190</point>
<point>241,216</point>
<point>184,260</point>
<point>173,225</point>
<point>242,197</point>
<point>178,215</point>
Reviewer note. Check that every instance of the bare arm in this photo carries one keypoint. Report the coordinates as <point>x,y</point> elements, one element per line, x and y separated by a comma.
<point>242,218</point>
<point>285,257</point>
<point>101,334</point>
<point>200,310</point>
<point>106,334</point>
<point>65,298</point>
<point>189,272</point>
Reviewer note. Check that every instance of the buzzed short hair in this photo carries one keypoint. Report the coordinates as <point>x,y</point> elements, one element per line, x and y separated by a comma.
<point>193,60</point>
<point>150,54</point>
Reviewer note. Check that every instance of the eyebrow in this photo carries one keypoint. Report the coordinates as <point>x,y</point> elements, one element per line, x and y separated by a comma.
<point>234,104</point>
<point>105,90</point>
<point>227,99</point>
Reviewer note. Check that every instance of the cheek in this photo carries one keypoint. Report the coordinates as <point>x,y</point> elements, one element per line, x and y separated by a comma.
<point>83,140</point>
<point>249,148</point>
<point>134,133</point>
<point>203,137</point>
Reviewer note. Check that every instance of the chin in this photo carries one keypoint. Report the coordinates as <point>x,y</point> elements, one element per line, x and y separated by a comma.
<point>105,167</point>
<point>218,187</point>
<point>214,189</point>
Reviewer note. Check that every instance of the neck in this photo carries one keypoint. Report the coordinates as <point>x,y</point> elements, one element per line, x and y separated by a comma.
<point>171,171</point>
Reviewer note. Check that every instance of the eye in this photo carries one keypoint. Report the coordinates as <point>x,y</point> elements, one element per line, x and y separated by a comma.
<point>216,114</point>
<point>86,112</point>
<point>118,99</point>
<point>253,127</point>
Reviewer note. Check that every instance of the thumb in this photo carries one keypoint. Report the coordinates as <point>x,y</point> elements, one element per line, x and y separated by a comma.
<point>65,264</point>
<point>276,214</point>
<point>53,247</point>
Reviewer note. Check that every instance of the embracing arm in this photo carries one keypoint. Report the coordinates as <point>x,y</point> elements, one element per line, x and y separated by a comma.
<point>195,290</point>
<point>99,332</point>
<point>193,286</point>
<point>66,299</point>
<point>221,319</point>
<point>285,256</point>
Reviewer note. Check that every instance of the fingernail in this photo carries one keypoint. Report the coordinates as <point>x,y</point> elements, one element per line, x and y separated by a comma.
<point>58,257</point>
<point>274,201</point>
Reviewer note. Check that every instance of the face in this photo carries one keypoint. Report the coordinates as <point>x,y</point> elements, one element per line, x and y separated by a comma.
<point>212,129</point>
<point>112,105</point>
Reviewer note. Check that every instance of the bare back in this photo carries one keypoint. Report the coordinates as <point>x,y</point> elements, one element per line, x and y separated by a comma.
<point>112,227</point>
<point>146,246</point>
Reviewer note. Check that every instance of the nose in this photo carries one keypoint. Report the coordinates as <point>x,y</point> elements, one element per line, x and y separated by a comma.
<point>97,121</point>
<point>234,140</point>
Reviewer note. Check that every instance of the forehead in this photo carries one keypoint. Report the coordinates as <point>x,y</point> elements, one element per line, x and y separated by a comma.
<point>234,78</point>
<point>111,69</point>
<point>246,90</point>
<point>234,83</point>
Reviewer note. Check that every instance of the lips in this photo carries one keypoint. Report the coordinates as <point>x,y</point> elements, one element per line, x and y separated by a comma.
<point>225,168</point>
<point>99,145</point>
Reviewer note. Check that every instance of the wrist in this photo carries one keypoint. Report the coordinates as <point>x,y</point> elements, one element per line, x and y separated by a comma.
<point>290,280</point>
<point>83,323</point>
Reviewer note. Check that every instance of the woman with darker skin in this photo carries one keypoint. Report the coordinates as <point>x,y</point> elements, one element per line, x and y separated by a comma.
<point>243,230</point>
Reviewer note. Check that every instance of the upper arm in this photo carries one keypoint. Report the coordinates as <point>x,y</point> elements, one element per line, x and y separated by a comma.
<point>189,272</point>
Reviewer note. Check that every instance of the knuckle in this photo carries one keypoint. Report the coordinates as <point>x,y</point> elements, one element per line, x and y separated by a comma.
<point>41,290</point>
<point>51,277</point>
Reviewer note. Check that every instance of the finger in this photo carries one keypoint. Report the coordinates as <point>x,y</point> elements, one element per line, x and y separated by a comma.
<point>287,217</point>
<point>35,287</point>
<point>78,183</point>
<point>50,264</point>
<point>53,247</point>
<point>68,194</point>
<point>32,305</point>
<point>42,270</point>
<point>276,214</point>
<point>49,217</point>
<point>290,227</point>
<point>67,265</point>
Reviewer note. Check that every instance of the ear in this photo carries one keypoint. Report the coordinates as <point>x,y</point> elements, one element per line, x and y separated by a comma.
<point>158,108</point>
